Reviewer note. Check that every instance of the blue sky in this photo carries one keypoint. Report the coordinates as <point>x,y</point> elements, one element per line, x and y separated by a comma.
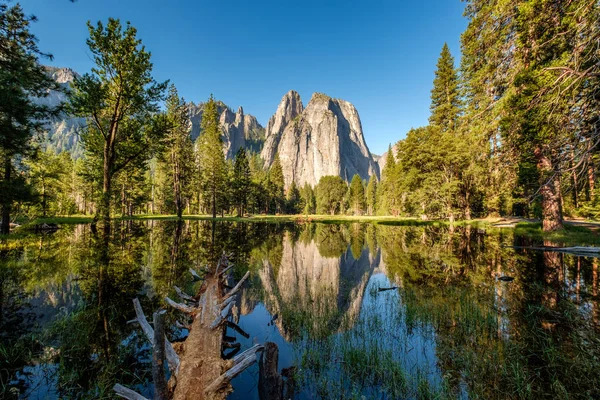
<point>379,55</point>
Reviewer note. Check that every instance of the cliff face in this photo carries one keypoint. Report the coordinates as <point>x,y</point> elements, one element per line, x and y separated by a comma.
<point>239,129</point>
<point>62,133</point>
<point>325,138</point>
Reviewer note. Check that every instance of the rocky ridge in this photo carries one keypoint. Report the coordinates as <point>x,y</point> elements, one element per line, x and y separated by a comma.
<point>239,129</point>
<point>325,138</point>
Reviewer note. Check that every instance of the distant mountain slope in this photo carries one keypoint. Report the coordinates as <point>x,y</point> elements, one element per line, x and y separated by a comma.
<point>62,132</point>
<point>239,129</point>
<point>325,138</point>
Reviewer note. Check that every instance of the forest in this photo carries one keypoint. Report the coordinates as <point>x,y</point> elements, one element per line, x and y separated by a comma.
<point>513,130</point>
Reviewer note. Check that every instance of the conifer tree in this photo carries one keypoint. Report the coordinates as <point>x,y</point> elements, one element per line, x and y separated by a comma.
<point>242,180</point>
<point>293,199</point>
<point>308,199</point>
<point>120,99</point>
<point>371,195</point>
<point>445,100</point>
<point>177,157</point>
<point>357,195</point>
<point>213,170</point>
<point>21,79</point>
<point>277,184</point>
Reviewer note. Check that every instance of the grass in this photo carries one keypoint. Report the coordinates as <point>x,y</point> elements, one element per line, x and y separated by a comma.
<point>571,235</point>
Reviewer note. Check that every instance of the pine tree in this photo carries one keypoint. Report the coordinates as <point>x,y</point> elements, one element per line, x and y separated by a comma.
<point>21,79</point>
<point>293,199</point>
<point>242,180</point>
<point>277,184</point>
<point>357,195</point>
<point>120,99</point>
<point>213,172</point>
<point>309,201</point>
<point>177,158</point>
<point>445,100</point>
<point>371,195</point>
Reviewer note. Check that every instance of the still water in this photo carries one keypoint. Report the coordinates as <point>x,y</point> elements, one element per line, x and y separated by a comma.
<point>448,328</point>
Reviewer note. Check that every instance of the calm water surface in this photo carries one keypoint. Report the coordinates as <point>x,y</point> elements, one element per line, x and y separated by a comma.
<point>448,329</point>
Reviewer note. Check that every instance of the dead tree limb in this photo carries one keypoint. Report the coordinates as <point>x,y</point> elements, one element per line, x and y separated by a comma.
<point>221,317</point>
<point>161,391</point>
<point>181,307</point>
<point>183,295</point>
<point>230,374</point>
<point>126,393</point>
<point>172,356</point>
<point>238,286</point>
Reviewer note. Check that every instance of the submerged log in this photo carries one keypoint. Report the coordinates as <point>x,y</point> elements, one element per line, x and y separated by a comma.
<point>270,383</point>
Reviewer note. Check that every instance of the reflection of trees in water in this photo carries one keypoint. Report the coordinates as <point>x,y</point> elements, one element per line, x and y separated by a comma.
<point>498,337</point>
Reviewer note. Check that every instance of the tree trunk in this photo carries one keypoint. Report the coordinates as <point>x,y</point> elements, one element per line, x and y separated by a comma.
<point>552,218</point>
<point>106,184</point>
<point>5,227</point>
<point>591,179</point>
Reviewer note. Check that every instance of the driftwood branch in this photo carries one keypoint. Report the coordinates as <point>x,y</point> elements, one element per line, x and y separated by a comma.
<point>172,356</point>
<point>226,302</point>
<point>230,374</point>
<point>238,286</point>
<point>180,307</point>
<point>183,295</point>
<point>225,270</point>
<point>161,391</point>
<point>221,317</point>
<point>195,275</point>
<point>252,350</point>
<point>126,393</point>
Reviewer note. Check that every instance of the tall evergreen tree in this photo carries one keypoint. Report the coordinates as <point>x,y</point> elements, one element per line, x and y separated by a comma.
<point>293,199</point>
<point>177,157</point>
<point>21,79</point>
<point>120,99</point>
<point>213,170</point>
<point>445,99</point>
<point>357,195</point>
<point>277,184</point>
<point>371,195</point>
<point>242,180</point>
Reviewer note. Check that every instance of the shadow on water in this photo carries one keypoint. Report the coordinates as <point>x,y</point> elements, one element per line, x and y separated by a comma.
<point>449,328</point>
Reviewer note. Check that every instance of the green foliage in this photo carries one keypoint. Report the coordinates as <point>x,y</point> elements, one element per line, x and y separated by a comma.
<point>22,78</point>
<point>120,99</point>
<point>276,184</point>
<point>176,160</point>
<point>357,196</point>
<point>212,166</point>
<point>445,100</point>
<point>371,195</point>
<point>330,193</point>
<point>242,180</point>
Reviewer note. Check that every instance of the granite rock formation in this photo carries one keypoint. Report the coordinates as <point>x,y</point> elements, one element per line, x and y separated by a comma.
<point>325,138</point>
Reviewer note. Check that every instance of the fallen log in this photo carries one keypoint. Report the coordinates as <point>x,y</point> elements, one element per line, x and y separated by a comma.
<point>172,357</point>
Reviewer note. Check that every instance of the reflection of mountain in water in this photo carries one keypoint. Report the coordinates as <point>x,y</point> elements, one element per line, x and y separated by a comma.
<point>313,292</point>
